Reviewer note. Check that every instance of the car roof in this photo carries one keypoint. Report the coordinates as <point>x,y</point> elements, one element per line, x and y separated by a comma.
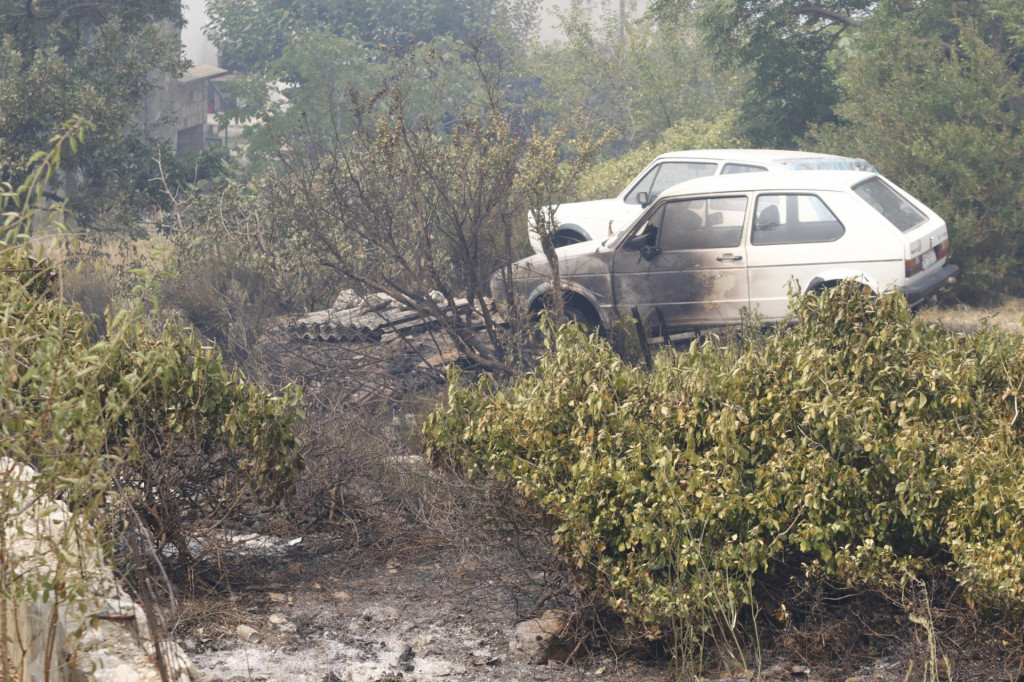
<point>810,180</point>
<point>751,155</point>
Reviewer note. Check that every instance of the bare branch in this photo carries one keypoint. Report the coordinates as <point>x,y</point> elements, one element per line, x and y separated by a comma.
<point>836,17</point>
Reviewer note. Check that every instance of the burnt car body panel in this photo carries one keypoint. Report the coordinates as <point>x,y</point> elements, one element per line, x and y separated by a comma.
<point>711,247</point>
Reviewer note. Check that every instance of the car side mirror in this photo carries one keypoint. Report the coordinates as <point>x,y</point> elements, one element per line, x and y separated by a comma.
<point>649,252</point>
<point>641,240</point>
<point>644,198</point>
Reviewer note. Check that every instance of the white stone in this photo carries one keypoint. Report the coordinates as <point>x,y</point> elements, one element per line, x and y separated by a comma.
<point>247,634</point>
<point>537,641</point>
<point>105,649</point>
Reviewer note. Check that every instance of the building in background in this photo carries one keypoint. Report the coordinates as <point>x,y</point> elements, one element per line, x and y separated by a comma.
<point>181,111</point>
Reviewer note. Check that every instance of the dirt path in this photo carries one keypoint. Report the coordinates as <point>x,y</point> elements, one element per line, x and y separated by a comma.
<point>435,618</point>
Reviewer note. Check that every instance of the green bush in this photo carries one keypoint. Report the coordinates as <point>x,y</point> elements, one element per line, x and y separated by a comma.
<point>146,410</point>
<point>858,443</point>
<point>142,417</point>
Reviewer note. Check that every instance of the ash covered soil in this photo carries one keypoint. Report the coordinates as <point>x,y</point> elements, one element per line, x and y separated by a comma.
<point>406,573</point>
<point>445,609</point>
<point>427,618</point>
<point>410,574</point>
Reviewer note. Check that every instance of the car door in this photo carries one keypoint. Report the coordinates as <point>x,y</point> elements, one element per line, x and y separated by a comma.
<point>796,236</point>
<point>686,264</point>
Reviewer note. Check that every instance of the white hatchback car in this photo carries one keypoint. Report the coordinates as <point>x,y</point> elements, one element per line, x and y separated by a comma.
<point>708,248</point>
<point>586,220</point>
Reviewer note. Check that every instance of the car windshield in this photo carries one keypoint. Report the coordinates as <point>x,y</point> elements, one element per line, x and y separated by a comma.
<point>666,174</point>
<point>613,241</point>
<point>891,205</point>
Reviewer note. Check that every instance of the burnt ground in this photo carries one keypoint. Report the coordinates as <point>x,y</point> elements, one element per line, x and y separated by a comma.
<point>423,578</point>
<point>383,568</point>
<point>431,617</point>
<point>445,611</point>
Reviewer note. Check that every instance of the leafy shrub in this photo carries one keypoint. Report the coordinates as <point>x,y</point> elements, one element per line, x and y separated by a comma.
<point>859,444</point>
<point>140,428</point>
<point>146,408</point>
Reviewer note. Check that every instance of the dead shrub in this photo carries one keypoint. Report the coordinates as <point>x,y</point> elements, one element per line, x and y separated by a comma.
<point>225,304</point>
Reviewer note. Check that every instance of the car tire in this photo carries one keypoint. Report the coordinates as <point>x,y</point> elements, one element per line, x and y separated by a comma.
<point>577,312</point>
<point>566,238</point>
<point>864,288</point>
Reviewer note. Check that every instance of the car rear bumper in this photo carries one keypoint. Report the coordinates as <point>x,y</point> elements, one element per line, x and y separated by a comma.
<point>930,284</point>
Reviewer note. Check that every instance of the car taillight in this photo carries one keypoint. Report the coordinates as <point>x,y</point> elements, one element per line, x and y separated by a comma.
<point>913,266</point>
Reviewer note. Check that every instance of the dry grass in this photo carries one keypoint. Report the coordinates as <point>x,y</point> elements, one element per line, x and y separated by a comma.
<point>1007,314</point>
<point>211,613</point>
<point>101,272</point>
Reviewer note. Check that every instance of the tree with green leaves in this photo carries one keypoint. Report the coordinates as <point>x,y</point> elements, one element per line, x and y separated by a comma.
<point>635,77</point>
<point>96,59</point>
<point>315,52</point>
<point>253,34</point>
<point>789,46</point>
<point>933,95</point>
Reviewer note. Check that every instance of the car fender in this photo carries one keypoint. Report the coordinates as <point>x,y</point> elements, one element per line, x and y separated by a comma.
<point>589,219</point>
<point>562,227</point>
<point>570,286</point>
<point>573,227</point>
<point>841,274</point>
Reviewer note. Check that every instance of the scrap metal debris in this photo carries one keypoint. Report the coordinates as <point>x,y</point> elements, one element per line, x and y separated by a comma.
<point>370,318</point>
<point>372,349</point>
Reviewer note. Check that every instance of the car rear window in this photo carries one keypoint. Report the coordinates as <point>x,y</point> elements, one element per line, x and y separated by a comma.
<point>890,204</point>
<point>733,168</point>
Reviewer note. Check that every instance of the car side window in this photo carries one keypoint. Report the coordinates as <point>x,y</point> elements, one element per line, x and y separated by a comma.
<point>713,223</point>
<point>733,168</point>
<point>793,219</point>
<point>666,174</point>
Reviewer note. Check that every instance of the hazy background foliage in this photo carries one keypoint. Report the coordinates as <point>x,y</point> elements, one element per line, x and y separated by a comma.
<point>410,143</point>
<point>931,93</point>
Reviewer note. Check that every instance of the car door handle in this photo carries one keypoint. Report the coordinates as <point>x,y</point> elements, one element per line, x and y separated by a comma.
<point>729,257</point>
